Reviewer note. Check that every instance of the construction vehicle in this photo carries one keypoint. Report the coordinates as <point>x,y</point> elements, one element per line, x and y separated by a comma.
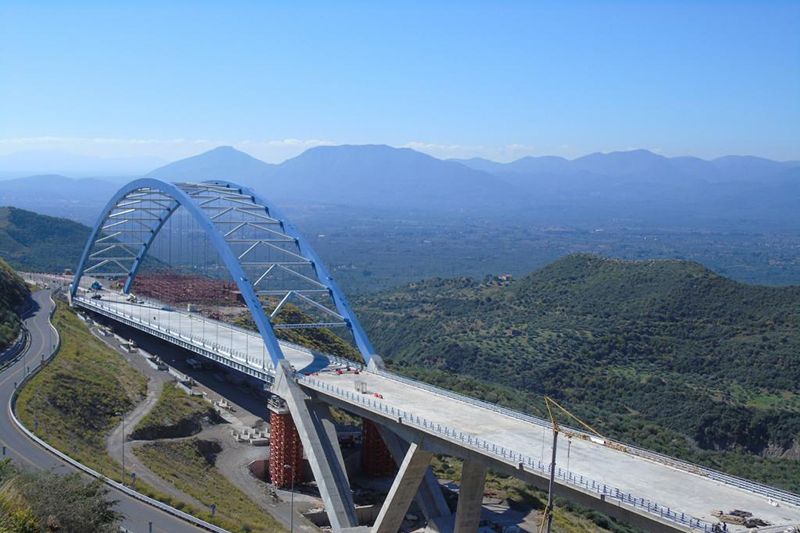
<point>547,517</point>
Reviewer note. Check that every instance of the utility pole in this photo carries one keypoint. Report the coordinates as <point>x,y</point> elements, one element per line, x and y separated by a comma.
<point>547,519</point>
<point>551,486</point>
<point>291,513</point>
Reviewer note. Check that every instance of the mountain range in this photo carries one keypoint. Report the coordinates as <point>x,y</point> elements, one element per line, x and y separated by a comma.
<point>641,163</point>
<point>364,175</point>
<point>631,188</point>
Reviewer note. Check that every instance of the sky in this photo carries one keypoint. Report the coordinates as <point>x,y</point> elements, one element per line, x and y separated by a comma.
<point>501,80</point>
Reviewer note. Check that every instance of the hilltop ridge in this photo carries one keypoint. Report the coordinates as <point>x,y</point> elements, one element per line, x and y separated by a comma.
<point>31,241</point>
<point>664,353</point>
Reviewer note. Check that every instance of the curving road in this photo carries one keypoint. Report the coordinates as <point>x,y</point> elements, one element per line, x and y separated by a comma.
<point>138,515</point>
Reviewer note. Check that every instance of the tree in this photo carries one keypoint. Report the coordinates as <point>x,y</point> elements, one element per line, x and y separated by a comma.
<point>68,503</point>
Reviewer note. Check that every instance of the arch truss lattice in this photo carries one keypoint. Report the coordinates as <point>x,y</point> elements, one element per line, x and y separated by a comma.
<point>271,263</point>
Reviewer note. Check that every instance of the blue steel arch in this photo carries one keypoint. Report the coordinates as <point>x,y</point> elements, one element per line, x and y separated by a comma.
<point>180,198</point>
<point>339,299</point>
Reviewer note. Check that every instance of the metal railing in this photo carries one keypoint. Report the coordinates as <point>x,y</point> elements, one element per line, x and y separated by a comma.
<point>506,455</point>
<point>80,466</point>
<point>262,363</point>
<point>241,358</point>
<point>721,477</point>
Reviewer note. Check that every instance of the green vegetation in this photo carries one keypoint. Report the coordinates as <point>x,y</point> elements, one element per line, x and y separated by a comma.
<point>176,414</point>
<point>76,401</point>
<point>30,241</point>
<point>13,293</point>
<point>189,465</point>
<point>45,501</point>
<point>664,354</point>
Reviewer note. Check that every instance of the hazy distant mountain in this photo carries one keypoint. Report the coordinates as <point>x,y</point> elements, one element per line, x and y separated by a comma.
<point>624,189</point>
<point>639,187</point>
<point>640,163</point>
<point>26,163</point>
<point>368,175</point>
<point>381,175</point>
<point>77,199</point>
<point>223,163</point>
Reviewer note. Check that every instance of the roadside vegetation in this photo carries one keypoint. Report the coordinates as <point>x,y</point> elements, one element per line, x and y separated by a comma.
<point>176,414</point>
<point>189,465</point>
<point>77,400</point>
<point>80,396</point>
<point>13,292</point>
<point>45,501</point>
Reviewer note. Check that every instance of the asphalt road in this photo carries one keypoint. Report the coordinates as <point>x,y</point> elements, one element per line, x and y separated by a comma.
<point>28,454</point>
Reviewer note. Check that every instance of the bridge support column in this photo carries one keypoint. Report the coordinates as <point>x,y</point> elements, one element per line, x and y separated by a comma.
<point>376,459</point>
<point>429,495</point>
<point>470,497</point>
<point>412,470</point>
<point>285,448</point>
<point>318,436</point>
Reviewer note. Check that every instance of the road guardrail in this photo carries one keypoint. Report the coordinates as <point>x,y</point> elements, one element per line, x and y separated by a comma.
<point>91,472</point>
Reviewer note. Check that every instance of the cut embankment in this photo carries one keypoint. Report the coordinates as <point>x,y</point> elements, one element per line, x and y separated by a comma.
<point>176,414</point>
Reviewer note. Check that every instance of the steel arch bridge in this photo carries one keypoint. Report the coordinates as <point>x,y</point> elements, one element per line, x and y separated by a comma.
<point>272,265</point>
<point>265,255</point>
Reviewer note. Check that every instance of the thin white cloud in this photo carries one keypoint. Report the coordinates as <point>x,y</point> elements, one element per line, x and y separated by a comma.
<point>273,150</point>
<point>503,153</point>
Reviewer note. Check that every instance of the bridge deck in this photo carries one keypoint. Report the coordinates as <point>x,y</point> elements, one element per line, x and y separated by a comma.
<point>665,485</point>
<point>496,434</point>
<point>244,347</point>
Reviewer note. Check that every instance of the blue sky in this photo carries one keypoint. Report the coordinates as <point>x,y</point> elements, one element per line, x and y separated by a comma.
<point>496,79</point>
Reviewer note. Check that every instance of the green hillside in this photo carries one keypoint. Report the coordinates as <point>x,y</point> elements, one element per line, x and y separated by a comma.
<point>30,241</point>
<point>13,293</point>
<point>666,354</point>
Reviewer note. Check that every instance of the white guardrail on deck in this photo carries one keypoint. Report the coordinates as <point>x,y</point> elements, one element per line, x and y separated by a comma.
<point>568,477</point>
<point>751,486</point>
<point>503,454</point>
<point>97,475</point>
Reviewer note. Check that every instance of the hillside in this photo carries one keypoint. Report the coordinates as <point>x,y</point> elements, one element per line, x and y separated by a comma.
<point>663,353</point>
<point>13,293</point>
<point>30,241</point>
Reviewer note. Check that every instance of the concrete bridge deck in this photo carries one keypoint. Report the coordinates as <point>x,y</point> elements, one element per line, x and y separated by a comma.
<point>502,438</point>
<point>648,485</point>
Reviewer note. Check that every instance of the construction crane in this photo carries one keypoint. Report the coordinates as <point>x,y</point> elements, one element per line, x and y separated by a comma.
<point>547,519</point>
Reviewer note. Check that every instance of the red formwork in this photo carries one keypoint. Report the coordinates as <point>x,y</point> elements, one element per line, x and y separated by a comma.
<point>286,451</point>
<point>174,288</point>
<point>376,460</point>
